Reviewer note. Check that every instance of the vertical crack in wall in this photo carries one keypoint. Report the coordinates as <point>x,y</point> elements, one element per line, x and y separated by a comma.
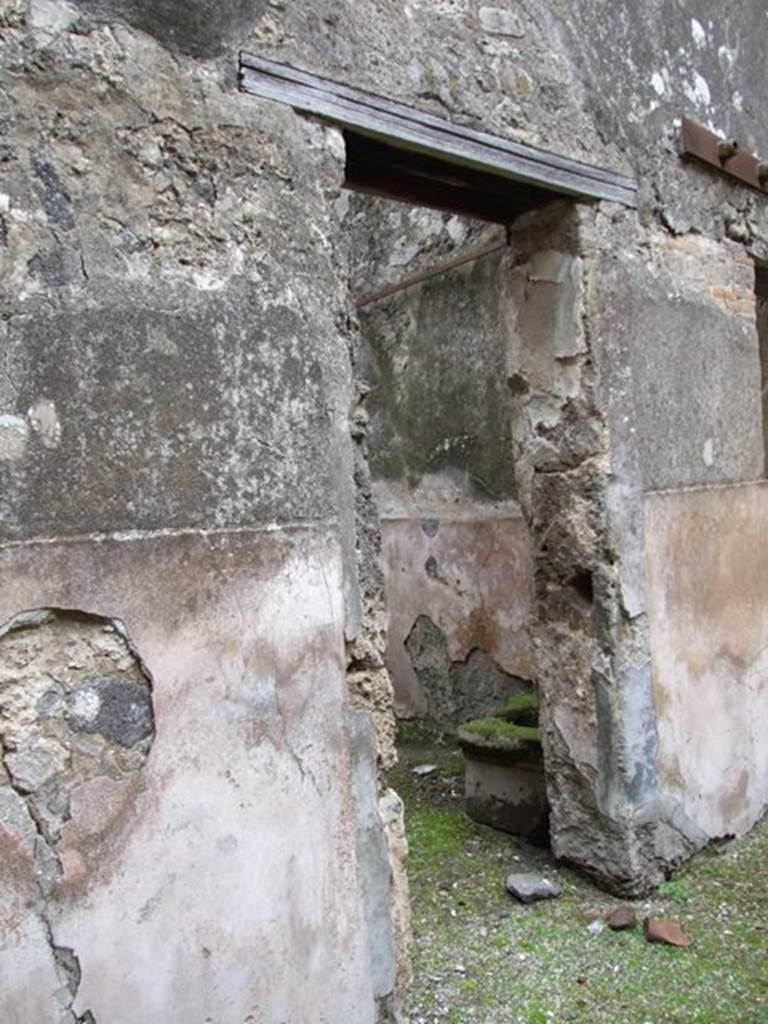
<point>75,705</point>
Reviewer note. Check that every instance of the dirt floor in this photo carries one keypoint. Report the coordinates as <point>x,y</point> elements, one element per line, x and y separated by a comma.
<point>482,958</point>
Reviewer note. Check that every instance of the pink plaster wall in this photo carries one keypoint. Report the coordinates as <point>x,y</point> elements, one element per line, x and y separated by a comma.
<point>478,593</point>
<point>707,552</point>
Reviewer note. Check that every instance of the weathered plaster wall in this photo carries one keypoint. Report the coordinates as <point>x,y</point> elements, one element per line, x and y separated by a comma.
<point>175,393</point>
<point>471,581</point>
<point>674,328</point>
<point>683,332</point>
<point>238,832</point>
<point>440,451</point>
<point>707,591</point>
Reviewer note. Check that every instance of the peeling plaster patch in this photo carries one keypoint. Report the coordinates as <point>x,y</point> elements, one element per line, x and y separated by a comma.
<point>698,33</point>
<point>75,705</point>
<point>708,452</point>
<point>45,422</point>
<point>501,22</point>
<point>698,93</point>
<point>14,435</point>
<point>726,58</point>
<point>456,691</point>
<point>50,17</point>
<point>45,763</point>
<point>158,341</point>
<point>658,83</point>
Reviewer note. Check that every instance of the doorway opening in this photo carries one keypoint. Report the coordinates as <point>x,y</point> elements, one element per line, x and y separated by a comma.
<point>472,367</point>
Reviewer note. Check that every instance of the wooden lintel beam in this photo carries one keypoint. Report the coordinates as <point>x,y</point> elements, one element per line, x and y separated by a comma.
<point>415,131</point>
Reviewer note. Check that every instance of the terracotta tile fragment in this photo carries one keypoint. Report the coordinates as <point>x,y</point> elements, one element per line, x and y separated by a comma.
<point>669,932</point>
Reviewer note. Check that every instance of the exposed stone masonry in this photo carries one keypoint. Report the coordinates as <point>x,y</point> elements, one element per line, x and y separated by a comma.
<point>75,705</point>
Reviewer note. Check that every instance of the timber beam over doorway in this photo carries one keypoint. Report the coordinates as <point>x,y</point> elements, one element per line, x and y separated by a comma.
<point>397,151</point>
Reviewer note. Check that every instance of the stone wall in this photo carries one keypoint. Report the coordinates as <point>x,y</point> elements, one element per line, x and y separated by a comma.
<point>632,361</point>
<point>184,449</point>
<point>175,455</point>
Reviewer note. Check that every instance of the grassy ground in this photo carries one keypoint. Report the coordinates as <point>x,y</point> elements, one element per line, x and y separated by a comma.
<point>482,958</point>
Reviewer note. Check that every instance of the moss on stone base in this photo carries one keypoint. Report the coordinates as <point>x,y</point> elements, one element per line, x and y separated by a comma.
<point>501,730</point>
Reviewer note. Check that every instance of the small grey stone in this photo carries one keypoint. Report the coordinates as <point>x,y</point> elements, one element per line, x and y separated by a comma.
<point>621,918</point>
<point>50,267</point>
<point>51,701</point>
<point>430,527</point>
<point>531,888</point>
<point>15,820</point>
<point>501,21</point>
<point>55,199</point>
<point>32,767</point>
<point>119,710</point>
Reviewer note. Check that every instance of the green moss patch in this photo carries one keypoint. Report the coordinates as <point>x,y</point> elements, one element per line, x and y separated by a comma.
<point>520,702</point>
<point>419,733</point>
<point>501,730</point>
<point>481,958</point>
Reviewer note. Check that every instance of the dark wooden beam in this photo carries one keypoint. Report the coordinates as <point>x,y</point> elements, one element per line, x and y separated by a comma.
<point>415,132</point>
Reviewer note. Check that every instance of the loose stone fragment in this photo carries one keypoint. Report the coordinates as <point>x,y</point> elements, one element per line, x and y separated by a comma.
<point>424,769</point>
<point>118,709</point>
<point>501,22</point>
<point>531,888</point>
<point>669,932</point>
<point>621,918</point>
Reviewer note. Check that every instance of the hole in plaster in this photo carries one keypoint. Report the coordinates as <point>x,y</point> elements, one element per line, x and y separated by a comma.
<point>75,706</point>
<point>581,582</point>
<point>457,690</point>
<point>76,714</point>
